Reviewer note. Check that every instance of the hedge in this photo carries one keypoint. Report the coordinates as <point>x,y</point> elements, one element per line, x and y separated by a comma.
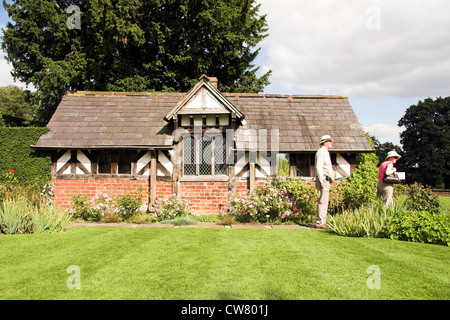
<point>16,154</point>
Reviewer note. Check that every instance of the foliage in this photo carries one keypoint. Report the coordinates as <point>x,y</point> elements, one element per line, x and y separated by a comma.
<point>360,187</point>
<point>208,218</point>
<point>226,220</point>
<point>49,219</point>
<point>14,217</point>
<point>282,166</point>
<point>421,198</point>
<point>106,208</point>
<point>19,216</point>
<point>155,45</point>
<point>165,209</point>
<point>408,221</point>
<point>7,183</point>
<point>103,206</point>
<point>179,222</point>
<point>367,220</point>
<point>425,141</point>
<point>419,226</point>
<point>129,203</point>
<point>31,167</point>
<point>286,200</point>
<point>382,149</point>
<point>15,107</point>
<point>81,208</point>
<point>34,193</point>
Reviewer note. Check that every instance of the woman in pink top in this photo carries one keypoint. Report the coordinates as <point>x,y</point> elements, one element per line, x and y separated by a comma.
<point>386,190</point>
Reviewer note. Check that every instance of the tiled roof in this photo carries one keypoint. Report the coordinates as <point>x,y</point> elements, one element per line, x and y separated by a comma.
<point>105,119</point>
<point>301,120</point>
<point>119,120</point>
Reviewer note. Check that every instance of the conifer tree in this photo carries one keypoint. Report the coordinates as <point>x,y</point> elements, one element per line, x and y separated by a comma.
<point>135,45</point>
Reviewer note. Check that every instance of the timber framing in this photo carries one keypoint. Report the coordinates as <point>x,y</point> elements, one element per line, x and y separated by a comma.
<point>141,137</point>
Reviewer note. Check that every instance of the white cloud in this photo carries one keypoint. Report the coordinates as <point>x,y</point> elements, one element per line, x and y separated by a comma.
<point>359,48</point>
<point>385,132</point>
<point>5,75</point>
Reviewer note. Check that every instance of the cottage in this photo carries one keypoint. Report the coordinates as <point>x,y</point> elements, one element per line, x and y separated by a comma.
<point>201,145</point>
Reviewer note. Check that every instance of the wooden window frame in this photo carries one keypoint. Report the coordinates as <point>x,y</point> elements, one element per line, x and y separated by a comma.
<point>114,170</point>
<point>197,139</point>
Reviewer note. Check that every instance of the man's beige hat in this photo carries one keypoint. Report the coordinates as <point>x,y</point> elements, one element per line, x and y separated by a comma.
<point>393,153</point>
<point>325,138</point>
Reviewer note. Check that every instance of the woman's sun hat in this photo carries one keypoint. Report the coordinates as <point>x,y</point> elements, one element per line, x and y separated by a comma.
<point>394,154</point>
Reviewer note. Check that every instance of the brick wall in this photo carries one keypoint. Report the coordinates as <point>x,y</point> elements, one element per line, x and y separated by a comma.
<point>163,189</point>
<point>205,197</point>
<point>66,188</point>
<point>202,197</point>
<point>243,186</point>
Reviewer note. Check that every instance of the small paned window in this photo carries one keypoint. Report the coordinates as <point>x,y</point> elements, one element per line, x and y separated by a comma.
<point>124,161</point>
<point>303,165</point>
<point>219,155</point>
<point>189,155</point>
<point>114,162</point>
<point>104,162</point>
<point>204,155</point>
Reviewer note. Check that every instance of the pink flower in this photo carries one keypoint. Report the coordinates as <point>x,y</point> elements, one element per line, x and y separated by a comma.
<point>12,170</point>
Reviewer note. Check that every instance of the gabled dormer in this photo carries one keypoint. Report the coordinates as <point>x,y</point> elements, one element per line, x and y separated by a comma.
<point>204,106</point>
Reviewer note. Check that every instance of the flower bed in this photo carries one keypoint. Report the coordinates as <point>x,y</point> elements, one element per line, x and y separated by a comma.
<point>277,202</point>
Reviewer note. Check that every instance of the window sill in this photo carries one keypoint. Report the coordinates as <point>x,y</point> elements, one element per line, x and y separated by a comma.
<point>218,178</point>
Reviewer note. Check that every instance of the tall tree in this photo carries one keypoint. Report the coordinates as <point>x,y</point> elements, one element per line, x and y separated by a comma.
<point>15,107</point>
<point>135,45</point>
<point>426,142</point>
<point>382,149</point>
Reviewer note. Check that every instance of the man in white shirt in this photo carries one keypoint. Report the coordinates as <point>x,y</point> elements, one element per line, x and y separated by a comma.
<point>324,177</point>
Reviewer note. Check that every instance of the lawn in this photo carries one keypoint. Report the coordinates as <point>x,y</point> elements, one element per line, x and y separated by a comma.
<point>217,264</point>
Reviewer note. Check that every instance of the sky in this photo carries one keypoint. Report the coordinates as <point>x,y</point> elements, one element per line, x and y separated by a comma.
<point>384,55</point>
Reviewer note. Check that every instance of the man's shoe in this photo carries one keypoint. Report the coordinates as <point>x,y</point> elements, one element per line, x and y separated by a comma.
<point>321,226</point>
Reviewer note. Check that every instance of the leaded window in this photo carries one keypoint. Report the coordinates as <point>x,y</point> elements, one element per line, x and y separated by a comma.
<point>204,155</point>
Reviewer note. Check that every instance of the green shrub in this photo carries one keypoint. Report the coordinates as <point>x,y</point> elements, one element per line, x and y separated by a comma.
<point>129,204</point>
<point>14,217</point>
<point>166,209</point>
<point>277,201</point>
<point>303,197</point>
<point>141,217</point>
<point>207,218</point>
<point>270,202</point>
<point>180,222</point>
<point>361,186</point>
<point>103,207</point>
<point>32,166</point>
<point>367,220</point>
<point>49,219</point>
<point>226,220</point>
<point>421,198</point>
<point>19,216</point>
<point>81,208</point>
<point>419,226</point>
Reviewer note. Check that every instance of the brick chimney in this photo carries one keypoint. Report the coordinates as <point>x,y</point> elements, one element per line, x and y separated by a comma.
<point>213,81</point>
